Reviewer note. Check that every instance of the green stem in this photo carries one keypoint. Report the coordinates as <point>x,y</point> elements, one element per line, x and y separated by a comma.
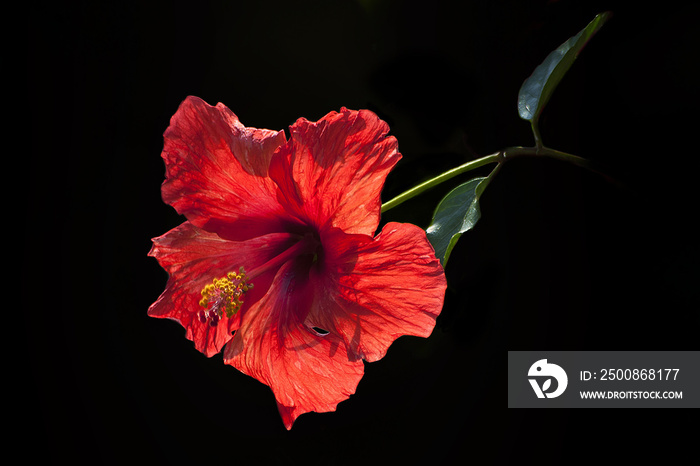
<point>518,151</point>
<point>536,133</point>
<point>416,190</point>
<point>498,157</point>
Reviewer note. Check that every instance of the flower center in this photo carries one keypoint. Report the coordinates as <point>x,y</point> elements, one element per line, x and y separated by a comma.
<point>223,296</point>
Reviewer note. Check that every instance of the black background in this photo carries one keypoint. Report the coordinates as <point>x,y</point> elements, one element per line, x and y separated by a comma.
<point>562,259</point>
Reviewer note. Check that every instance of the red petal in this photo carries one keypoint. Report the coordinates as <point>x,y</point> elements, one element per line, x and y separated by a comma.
<point>306,372</point>
<point>216,171</point>
<point>332,172</point>
<point>193,258</point>
<point>374,291</point>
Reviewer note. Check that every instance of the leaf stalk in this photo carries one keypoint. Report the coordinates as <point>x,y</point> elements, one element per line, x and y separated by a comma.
<point>498,157</point>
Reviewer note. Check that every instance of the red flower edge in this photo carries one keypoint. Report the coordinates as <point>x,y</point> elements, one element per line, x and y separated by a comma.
<point>299,217</point>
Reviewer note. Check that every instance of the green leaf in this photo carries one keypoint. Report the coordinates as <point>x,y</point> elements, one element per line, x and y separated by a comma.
<point>538,88</point>
<point>457,213</point>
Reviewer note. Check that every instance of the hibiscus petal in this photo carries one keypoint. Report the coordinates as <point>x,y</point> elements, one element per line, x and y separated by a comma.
<point>216,171</point>
<point>193,258</point>
<point>306,371</point>
<point>376,290</point>
<point>331,172</point>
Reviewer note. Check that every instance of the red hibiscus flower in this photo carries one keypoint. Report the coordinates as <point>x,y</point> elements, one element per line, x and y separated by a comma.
<point>278,261</point>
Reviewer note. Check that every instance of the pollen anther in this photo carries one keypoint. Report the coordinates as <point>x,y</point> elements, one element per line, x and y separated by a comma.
<point>223,296</point>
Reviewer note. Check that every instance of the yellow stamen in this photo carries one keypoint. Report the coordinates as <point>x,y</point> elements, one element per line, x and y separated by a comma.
<point>223,296</point>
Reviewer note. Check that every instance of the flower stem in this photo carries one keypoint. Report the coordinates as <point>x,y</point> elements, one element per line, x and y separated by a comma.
<point>498,157</point>
<point>416,190</point>
<point>518,151</point>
